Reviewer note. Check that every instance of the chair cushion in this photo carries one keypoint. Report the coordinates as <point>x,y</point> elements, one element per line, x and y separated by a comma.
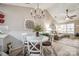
<point>47,43</point>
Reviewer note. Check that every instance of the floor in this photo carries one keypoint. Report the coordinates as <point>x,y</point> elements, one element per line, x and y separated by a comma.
<point>66,47</point>
<point>62,47</point>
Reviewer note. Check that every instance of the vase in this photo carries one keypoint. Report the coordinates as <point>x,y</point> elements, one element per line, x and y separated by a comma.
<point>37,34</point>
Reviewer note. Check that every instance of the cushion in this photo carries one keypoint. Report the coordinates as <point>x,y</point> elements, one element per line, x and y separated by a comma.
<point>47,43</point>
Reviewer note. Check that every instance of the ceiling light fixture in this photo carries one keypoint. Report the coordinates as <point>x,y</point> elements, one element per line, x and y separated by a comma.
<point>67,15</point>
<point>37,13</point>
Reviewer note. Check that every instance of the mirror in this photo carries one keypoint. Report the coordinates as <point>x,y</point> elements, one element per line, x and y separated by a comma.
<point>29,24</point>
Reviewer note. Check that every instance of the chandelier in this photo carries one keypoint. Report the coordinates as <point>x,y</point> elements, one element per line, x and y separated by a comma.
<point>37,13</point>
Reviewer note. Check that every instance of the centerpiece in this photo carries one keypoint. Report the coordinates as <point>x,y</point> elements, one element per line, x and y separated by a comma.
<point>37,29</point>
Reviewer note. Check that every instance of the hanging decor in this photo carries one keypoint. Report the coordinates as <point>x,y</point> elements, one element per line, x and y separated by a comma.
<point>38,13</point>
<point>68,16</point>
<point>2,16</point>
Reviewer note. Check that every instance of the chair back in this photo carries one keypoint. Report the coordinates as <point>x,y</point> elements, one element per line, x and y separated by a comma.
<point>35,47</point>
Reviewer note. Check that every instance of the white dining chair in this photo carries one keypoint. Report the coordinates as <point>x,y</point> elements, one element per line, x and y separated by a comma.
<point>35,48</point>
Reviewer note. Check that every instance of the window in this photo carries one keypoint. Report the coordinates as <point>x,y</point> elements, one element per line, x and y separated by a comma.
<point>65,28</point>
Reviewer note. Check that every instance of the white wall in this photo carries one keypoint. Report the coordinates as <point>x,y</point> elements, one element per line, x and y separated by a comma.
<point>15,16</point>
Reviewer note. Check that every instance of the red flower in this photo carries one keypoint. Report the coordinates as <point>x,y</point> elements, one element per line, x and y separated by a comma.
<point>1,20</point>
<point>1,16</point>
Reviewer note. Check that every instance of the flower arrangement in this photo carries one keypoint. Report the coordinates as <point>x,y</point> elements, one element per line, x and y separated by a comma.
<point>37,29</point>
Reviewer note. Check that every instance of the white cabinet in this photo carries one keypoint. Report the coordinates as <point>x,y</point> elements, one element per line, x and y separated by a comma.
<point>2,36</point>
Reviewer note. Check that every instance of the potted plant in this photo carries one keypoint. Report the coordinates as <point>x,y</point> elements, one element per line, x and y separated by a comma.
<point>37,29</point>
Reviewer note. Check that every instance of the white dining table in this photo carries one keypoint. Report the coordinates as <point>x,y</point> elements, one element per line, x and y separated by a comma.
<point>36,39</point>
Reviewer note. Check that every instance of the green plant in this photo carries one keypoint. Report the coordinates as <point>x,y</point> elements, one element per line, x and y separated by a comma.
<point>45,34</point>
<point>38,28</point>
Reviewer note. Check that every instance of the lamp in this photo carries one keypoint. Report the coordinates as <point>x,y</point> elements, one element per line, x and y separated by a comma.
<point>37,13</point>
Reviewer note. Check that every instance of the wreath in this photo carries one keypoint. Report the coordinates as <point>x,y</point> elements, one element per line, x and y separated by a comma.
<point>2,17</point>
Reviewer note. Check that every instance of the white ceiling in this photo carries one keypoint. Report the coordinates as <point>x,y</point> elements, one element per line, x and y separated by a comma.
<point>32,5</point>
<point>57,10</point>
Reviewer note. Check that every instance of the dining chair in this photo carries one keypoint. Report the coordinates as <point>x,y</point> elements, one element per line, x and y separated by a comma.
<point>49,41</point>
<point>35,48</point>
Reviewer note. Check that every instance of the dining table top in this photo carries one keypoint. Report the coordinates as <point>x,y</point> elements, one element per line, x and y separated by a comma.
<point>36,39</point>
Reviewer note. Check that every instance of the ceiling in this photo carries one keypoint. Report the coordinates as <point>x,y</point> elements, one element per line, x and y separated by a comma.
<point>32,5</point>
<point>57,10</point>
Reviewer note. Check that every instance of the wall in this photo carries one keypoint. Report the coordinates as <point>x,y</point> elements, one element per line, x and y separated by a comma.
<point>77,26</point>
<point>15,16</point>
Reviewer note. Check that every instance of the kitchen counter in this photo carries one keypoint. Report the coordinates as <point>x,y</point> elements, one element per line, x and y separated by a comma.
<point>3,36</point>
